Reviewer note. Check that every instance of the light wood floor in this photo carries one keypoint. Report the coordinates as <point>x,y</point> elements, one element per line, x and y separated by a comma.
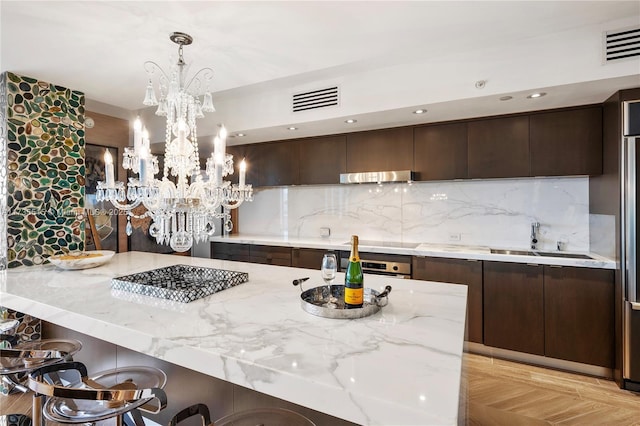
<point>507,393</point>
<point>499,392</point>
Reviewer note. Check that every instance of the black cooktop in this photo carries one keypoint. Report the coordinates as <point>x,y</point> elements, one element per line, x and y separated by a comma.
<point>393,244</point>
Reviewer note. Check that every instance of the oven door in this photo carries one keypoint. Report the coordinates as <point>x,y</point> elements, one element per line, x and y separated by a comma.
<point>396,268</point>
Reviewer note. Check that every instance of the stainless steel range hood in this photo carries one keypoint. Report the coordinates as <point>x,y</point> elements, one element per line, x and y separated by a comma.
<point>377,177</point>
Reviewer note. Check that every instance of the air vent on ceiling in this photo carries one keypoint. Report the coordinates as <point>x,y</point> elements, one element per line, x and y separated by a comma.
<point>622,44</point>
<point>314,99</point>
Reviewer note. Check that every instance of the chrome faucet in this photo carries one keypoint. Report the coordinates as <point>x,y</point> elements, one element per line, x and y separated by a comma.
<point>535,227</point>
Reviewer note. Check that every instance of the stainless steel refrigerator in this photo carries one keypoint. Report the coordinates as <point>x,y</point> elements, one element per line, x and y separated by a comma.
<point>629,260</point>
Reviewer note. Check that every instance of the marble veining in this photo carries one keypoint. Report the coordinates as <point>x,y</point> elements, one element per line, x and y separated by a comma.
<point>496,212</point>
<point>401,366</point>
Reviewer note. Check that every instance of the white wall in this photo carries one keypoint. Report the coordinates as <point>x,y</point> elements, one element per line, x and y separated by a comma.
<point>483,212</point>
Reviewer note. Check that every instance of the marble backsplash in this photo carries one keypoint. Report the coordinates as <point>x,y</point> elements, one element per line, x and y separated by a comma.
<point>475,212</point>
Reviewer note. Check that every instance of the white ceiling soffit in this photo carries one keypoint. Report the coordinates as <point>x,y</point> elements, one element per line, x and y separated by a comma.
<point>385,57</point>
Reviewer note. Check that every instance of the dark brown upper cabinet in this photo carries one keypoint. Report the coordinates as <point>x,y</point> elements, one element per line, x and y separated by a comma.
<point>380,150</point>
<point>238,155</point>
<point>322,159</point>
<point>498,147</point>
<point>440,152</point>
<point>278,163</point>
<point>566,142</point>
<point>251,154</point>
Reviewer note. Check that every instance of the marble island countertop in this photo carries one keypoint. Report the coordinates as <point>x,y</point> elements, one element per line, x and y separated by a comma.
<point>401,366</point>
<point>423,249</point>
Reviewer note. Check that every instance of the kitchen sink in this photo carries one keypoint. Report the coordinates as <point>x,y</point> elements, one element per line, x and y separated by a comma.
<point>541,253</point>
<point>513,252</point>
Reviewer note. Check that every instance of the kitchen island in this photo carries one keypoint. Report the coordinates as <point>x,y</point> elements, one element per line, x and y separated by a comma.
<point>401,366</point>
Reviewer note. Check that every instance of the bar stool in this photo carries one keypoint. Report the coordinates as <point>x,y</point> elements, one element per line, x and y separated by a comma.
<point>19,360</point>
<point>15,420</point>
<point>64,393</point>
<point>8,329</point>
<point>265,417</point>
<point>258,416</point>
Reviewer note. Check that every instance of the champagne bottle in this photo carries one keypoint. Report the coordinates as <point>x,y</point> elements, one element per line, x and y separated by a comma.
<point>353,278</point>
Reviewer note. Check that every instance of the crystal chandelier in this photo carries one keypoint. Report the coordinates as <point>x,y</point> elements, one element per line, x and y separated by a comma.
<point>184,205</point>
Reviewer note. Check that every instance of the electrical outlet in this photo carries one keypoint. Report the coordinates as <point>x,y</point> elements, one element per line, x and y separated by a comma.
<point>454,236</point>
<point>325,232</point>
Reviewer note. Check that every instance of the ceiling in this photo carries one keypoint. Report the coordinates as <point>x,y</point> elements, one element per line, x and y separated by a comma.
<point>387,58</point>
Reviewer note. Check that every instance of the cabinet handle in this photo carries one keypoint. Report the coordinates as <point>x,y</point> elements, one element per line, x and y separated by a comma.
<point>472,260</point>
<point>532,264</point>
<point>556,266</point>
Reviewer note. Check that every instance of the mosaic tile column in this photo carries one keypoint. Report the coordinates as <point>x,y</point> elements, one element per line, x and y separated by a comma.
<point>45,181</point>
<point>3,173</point>
<point>41,176</point>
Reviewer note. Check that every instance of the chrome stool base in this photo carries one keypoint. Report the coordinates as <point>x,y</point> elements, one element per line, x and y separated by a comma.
<point>17,361</point>
<point>117,393</point>
<point>15,420</point>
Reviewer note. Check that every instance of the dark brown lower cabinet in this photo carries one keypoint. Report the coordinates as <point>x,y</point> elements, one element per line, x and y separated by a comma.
<point>309,258</point>
<point>268,255</point>
<point>456,271</point>
<point>231,251</point>
<point>579,314</point>
<point>271,255</point>
<point>514,306</point>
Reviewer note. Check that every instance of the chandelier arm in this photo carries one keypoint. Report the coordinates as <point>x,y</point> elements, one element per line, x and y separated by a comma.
<point>217,202</point>
<point>149,205</point>
<point>234,205</point>
<point>141,216</point>
<point>208,75</point>
<point>125,207</point>
<point>149,68</point>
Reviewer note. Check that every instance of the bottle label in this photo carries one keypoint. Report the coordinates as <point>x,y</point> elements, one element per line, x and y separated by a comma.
<point>353,296</point>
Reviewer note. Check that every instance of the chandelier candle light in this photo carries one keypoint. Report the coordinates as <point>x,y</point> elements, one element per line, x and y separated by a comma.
<point>183,212</point>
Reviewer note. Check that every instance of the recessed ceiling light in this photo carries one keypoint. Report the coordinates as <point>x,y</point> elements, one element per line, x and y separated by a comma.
<point>420,111</point>
<point>536,95</point>
<point>240,135</point>
<point>506,98</point>
<point>350,121</point>
<point>292,128</point>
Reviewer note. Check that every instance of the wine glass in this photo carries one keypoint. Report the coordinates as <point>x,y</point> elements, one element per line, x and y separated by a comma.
<point>329,269</point>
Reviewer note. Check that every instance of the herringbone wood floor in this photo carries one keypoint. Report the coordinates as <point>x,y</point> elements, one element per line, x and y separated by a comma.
<point>498,392</point>
<point>501,392</point>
